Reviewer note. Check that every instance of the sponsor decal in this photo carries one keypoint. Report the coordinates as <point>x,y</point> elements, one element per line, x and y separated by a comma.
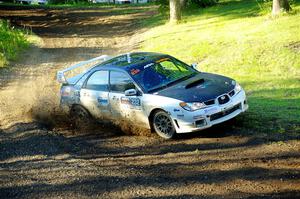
<point>102,101</point>
<point>135,101</point>
<point>131,102</point>
<point>176,110</point>
<point>180,115</point>
<point>125,100</point>
<point>134,71</point>
<point>198,117</point>
<point>148,65</point>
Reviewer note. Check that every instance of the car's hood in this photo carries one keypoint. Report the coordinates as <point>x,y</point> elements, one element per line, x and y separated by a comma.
<point>200,88</point>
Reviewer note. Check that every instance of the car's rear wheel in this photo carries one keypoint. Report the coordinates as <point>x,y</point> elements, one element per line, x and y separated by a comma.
<point>80,117</point>
<point>163,125</point>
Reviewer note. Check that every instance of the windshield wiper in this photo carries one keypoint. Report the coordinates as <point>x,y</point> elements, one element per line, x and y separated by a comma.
<point>157,88</point>
<point>181,79</point>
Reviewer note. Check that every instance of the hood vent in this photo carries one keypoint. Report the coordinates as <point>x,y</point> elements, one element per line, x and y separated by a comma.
<point>195,83</point>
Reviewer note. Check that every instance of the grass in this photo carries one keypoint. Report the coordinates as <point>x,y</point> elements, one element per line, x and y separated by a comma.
<point>240,39</point>
<point>12,42</point>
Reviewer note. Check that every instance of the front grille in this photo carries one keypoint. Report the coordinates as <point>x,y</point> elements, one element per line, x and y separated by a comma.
<point>224,113</point>
<point>209,102</point>
<point>231,93</point>
<point>223,99</point>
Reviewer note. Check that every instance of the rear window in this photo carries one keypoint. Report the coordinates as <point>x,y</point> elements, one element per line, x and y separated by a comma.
<point>98,81</point>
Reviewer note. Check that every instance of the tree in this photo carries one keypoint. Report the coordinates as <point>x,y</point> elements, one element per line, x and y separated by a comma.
<point>278,4</point>
<point>175,11</point>
<point>183,3</point>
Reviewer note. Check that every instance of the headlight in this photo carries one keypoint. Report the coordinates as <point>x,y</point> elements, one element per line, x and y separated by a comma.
<point>237,88</point>
<point>193,106</point>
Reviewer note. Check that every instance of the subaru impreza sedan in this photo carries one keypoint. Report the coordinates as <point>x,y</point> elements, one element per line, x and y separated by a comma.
<point>151,90</point>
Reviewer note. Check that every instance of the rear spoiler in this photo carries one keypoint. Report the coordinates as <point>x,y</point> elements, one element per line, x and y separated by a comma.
<point>60,76</point>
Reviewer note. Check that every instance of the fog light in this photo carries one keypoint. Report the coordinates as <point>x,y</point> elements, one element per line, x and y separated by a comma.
<point>200,123</point>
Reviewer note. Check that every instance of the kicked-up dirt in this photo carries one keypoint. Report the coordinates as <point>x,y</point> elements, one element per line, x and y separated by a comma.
<point>39,159</point>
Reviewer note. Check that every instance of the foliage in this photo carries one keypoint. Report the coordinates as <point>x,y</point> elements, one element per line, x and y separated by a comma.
<point>164,5</point>
<point>241,40</point>
<point>201,3</point>
<point>12,41</point>
<point>70,2</point>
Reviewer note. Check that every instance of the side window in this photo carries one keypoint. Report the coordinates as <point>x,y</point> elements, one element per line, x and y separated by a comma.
<point>120,82</point>
<point>98,81</point>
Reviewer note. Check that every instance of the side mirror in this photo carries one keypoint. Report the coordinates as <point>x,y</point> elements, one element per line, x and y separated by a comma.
<point>194,66</point>
<point>130,92</point>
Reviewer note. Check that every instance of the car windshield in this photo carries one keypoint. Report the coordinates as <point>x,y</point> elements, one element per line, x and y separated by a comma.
<point>161,74</point>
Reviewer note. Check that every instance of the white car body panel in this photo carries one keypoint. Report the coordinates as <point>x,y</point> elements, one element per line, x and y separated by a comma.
<point>186,119</point>
<point>138,109</point>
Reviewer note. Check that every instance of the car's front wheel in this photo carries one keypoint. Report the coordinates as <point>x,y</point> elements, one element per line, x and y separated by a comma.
<point>163,125</point>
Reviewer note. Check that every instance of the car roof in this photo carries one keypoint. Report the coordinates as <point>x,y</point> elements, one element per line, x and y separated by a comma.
<point>126,62</point>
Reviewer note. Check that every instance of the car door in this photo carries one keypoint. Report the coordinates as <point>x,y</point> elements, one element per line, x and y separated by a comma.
<point>94,94</point>
<point>124,107</point>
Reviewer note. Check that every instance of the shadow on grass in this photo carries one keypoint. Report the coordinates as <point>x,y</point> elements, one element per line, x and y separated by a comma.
<point>230,9</point>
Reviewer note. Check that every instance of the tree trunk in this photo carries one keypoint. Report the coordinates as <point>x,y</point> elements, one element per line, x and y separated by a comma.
<point>278,4</point>
<point>276,7</point>
<point>175,12</point>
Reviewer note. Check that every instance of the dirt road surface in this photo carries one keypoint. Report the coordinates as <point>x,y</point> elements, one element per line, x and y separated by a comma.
<point>46,161</point>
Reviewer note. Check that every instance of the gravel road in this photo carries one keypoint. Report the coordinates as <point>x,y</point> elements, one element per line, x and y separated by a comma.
<point>42,158</point>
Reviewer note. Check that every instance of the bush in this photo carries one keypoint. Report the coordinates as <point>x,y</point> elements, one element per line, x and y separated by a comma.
<point>12,41</point>
<point>201,3</point>
<point>163,6</point>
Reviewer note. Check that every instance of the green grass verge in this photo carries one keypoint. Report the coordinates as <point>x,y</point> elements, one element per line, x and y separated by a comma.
<point>12,42</point>
<point>240,39</point>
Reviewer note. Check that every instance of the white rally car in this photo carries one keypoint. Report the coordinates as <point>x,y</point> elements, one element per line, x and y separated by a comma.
<point>151,90</point>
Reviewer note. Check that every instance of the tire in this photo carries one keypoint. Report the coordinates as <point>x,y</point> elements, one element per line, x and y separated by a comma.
<point>163,125</point>
<point>80,117</point>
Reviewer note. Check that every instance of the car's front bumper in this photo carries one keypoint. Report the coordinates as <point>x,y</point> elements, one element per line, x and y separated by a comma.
<point>186,121</point>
